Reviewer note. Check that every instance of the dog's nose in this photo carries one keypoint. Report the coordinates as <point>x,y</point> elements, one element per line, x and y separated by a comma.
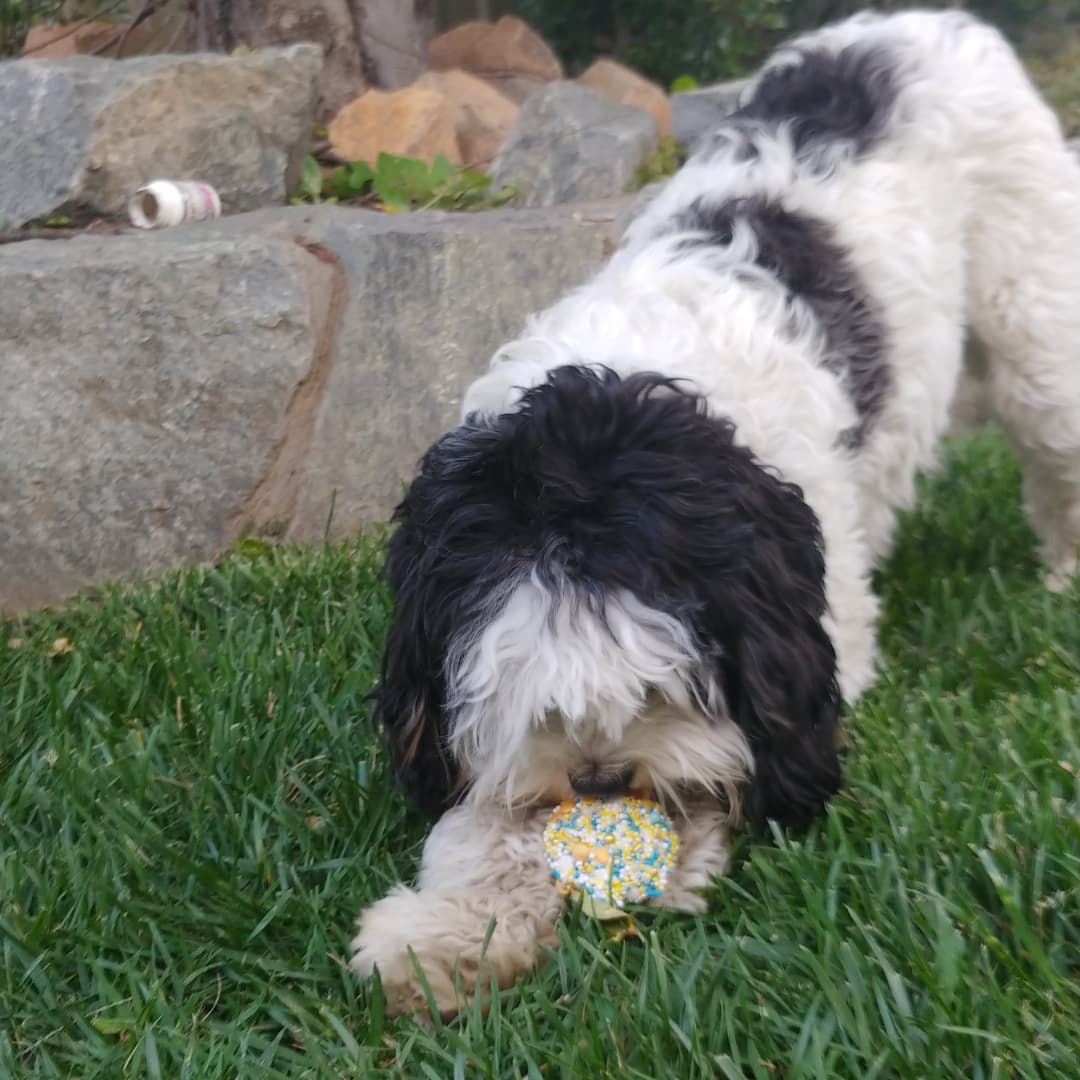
<point>601,781</point>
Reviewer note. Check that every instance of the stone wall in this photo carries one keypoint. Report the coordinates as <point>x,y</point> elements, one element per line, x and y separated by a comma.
<point>273,373</point>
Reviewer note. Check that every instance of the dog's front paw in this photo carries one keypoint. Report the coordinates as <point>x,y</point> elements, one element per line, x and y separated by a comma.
<point>685,901</point>
<point>704,856</point>
<point>394,938</point>
<point>453,943</point>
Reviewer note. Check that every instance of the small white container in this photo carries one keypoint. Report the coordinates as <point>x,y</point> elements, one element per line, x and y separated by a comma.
<point>163,203</point>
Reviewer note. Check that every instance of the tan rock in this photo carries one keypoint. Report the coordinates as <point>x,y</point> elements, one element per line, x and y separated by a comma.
<point>482,116</point>
<point>416,122</point>
<point>627,87</point>
<point>508,54</point>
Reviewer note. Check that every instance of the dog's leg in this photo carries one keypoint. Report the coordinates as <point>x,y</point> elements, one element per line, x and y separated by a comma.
<point>851,622</point>
<point>852,607</point>
<point>1027,316</point>
<point>479,865</point>
<point>703,855</point>
<point>1024,269</point>
<point>1052,501</point>
<point>1036,394</point>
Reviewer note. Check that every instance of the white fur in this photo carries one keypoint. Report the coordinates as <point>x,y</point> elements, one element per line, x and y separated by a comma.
<point>550,684</point>
<point>966,215</point>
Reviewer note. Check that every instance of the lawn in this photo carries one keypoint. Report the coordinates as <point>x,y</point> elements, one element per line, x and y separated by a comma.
<point>193,808</point>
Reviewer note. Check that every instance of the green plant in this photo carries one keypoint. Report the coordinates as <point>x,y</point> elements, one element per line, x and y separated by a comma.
<point>719,39</point>
<point>665,162</point>
<point>310,187</point>
<point>683,83</point>
<point>16,18</point>
<point>1058,78</point>
<point>398,183</point>
<point>711,38</point>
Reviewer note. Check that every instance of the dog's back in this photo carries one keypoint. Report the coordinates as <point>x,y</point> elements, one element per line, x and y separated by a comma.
<point>962,208</point>
<point>887,185</point>
<point>646,562</point>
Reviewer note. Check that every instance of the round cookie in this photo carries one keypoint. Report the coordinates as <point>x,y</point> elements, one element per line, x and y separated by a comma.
<point>619,851</point>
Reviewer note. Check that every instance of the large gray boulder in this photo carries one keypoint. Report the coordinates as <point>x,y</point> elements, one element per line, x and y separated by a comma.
<point>431,298</point>
<point>697,113</point>
<point>572,144</point>
<point>146,384</point>
<point>87,132</point>
<point>270,373</point>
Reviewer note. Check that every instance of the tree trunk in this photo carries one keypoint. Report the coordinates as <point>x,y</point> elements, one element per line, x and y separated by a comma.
<point>395,35</point>
<point>365,42</point>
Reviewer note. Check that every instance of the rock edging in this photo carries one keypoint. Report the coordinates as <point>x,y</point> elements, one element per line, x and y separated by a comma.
<point>276,373</point>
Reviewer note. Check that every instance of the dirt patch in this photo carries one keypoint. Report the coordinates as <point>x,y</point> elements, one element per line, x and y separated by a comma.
<point>67,227</point>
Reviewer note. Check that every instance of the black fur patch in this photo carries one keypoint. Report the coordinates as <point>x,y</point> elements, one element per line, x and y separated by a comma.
<point>600,484</point>
<point>800,252</point>
<point>827,98</point>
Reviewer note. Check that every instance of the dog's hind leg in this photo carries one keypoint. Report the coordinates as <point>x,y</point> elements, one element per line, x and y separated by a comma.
<point>1025,310</point>
<point>484,910</point>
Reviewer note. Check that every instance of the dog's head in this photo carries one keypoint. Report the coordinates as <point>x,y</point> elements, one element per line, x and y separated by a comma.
<point>601,591</point>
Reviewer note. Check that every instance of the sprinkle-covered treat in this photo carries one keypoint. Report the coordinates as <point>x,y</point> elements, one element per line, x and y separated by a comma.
<point>617,851</point>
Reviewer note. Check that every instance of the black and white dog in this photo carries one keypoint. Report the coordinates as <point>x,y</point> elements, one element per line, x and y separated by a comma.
<point>643,560</point>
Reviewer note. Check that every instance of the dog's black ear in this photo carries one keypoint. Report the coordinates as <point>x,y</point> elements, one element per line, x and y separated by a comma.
<point>777,661</point>
<point>441,565</point>
<point>433,566</point>
<point>410,697</point>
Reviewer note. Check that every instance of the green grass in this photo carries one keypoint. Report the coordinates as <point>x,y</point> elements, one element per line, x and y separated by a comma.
<point>193,808</point>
